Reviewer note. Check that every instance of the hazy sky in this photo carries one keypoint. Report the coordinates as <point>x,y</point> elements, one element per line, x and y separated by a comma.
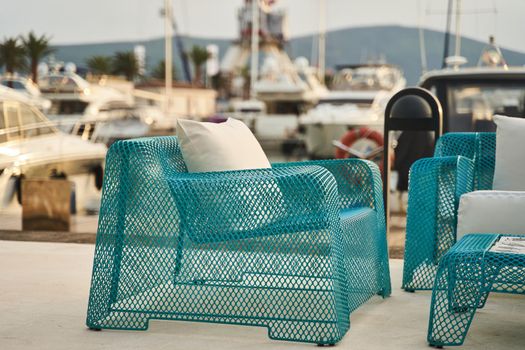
<point>80,21</point>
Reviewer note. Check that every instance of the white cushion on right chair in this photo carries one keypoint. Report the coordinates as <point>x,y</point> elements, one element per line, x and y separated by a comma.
<point>491,212</point>
<point>509,171</point>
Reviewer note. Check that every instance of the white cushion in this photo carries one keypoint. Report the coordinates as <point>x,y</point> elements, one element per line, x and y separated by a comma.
<point>491,212</point>
<point>227,146</point>
<point>509,173</point>
<point>219,146</point>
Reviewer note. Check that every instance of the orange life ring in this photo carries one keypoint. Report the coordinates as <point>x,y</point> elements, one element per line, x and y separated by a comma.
<point>353,135</point>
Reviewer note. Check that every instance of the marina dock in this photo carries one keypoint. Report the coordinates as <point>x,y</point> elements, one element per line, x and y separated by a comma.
<point>44,293</point>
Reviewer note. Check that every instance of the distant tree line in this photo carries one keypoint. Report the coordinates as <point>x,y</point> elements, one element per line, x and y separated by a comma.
<point>24,53</point>
<point>125,63</point>
<point>121,63</point>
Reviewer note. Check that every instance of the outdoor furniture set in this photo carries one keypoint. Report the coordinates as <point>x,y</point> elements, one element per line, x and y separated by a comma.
<point>293,247</point>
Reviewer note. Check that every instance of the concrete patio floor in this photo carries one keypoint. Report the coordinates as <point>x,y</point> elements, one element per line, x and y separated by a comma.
<point>44,290</point>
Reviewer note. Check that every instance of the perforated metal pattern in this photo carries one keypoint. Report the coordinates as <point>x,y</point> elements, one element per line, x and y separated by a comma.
<point>294,248</point>
<point>466,276</point>
<point>479,147</point>
<point>463,162</point>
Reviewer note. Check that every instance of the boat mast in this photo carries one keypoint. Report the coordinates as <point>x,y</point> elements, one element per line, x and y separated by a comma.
<point>447,34</point>
<point>322,40</point>
<point>254,71</point>
<point>422,46</point>
<point>457,52</point>
<point>168,54</point>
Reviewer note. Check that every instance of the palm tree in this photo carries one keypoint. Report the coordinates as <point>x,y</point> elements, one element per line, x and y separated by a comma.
<point>12,55</point>
<point>100,64</point>
<point>35,49</point>
<point>159,72</point>
<point>198,55</point>
<point>126,63</point>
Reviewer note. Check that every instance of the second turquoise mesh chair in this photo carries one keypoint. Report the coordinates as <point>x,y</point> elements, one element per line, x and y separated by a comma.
<point>462,162</point>
<point>295,248</point>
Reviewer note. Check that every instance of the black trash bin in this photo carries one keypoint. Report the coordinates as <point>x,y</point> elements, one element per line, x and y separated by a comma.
<point>417,114</point>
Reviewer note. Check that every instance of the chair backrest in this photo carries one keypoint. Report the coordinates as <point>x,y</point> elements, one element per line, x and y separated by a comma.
<point>171,152</point>
<point>479,147</point>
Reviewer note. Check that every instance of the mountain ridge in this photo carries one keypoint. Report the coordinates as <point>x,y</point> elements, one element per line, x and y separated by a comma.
<point>398,44</point>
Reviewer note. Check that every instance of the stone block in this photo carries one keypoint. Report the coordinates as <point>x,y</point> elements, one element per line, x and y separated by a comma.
<point>46,204</point>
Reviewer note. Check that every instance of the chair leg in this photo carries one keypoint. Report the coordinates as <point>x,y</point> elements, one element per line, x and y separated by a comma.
<point>491,273</point>
<point>454,303</point>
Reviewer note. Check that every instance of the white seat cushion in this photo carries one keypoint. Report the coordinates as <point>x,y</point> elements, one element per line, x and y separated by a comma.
<point>509,172</point>
<point>491,212</point>
<point>219,147</point>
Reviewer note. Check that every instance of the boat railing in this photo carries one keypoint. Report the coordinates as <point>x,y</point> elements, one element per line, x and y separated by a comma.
<point>55,125</point>
<point>32,126</point>
<point>72,124</point>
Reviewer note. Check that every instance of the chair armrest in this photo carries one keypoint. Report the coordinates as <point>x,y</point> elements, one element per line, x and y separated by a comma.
<point>359,185</point>
<point>233,205</point>
<point>358,181</point>
<point>134,181</point>
<point>435,186</point>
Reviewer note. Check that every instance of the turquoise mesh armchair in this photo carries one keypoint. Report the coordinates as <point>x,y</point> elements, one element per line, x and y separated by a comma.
<point>462,162</point>
<point>295,248</point>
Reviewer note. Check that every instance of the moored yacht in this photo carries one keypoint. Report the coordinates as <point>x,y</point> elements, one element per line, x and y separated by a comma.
<point>31,147</point>
<point>354,105</point>
<point>471,96</point>
<point>257,68</point>
<point>97,113</point>
<point>27,88</point>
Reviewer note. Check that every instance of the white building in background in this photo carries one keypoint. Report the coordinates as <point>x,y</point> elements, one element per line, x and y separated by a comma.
<point>186,101</point>
<point>212,65</point>
<point>140,54</point>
